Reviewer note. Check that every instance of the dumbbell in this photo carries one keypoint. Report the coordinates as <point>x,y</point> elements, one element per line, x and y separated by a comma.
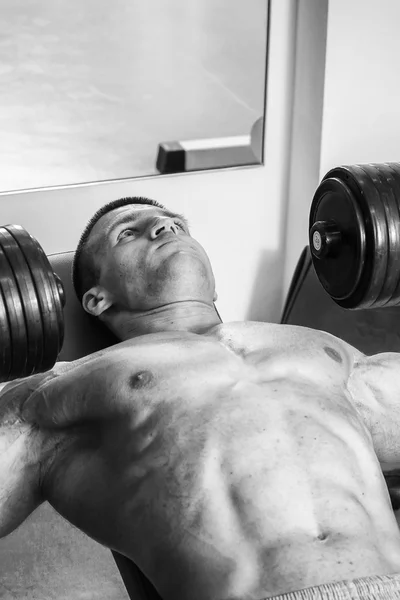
<point>355,235</point>
<point>31,306</point>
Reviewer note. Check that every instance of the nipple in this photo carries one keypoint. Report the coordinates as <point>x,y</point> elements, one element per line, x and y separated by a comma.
<point>333,354</point>
<point>141,379</point>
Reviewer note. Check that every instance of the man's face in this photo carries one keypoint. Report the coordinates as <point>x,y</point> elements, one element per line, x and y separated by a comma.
<point>148,259</point>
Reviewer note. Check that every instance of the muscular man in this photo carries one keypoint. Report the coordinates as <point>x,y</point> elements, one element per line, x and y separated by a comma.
<point>227,460</point>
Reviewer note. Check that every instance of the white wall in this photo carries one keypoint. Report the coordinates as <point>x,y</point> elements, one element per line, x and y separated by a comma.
<point>303,169</point>
<point>238,215</point>
<point>361,120</point>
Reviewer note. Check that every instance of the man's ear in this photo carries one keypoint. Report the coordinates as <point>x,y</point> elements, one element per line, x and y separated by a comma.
<point>96,300</point>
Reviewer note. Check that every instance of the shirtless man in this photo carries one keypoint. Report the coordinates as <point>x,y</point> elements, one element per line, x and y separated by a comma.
<point>228,461</point>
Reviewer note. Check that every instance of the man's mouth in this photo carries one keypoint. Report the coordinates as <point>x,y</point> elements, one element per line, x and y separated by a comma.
<point>169,238</point>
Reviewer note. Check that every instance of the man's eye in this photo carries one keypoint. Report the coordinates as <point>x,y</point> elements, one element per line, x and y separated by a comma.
<point>180,225</point>
<point>126,233</point>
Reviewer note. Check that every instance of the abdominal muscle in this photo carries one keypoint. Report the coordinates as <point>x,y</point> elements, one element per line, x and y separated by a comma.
<point>268,504</point>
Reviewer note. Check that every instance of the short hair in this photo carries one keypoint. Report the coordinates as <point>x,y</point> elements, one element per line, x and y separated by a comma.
<point>85,271</point>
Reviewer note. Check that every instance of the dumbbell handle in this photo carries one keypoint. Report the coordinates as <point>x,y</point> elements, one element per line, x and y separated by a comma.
<point>325,239</point>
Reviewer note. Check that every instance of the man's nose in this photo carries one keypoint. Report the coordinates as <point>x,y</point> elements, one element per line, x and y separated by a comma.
<point>163,225</point>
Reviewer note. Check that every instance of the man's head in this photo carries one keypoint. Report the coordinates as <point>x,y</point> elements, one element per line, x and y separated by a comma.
<point>135,256</point>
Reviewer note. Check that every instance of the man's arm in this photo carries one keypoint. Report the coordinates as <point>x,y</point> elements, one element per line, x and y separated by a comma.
<point>21,454</point>
<point>374,386</point>
<point>23,448</point>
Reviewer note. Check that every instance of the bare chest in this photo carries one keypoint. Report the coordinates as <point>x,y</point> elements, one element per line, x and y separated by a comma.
<point>252,387</point>
<point>254,354</point>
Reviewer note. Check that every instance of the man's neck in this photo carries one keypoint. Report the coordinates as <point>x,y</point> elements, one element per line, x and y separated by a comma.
<point>190,316</point>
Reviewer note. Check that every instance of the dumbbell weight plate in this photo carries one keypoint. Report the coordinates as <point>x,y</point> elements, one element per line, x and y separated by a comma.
<point>32,249</point>
<point>16,321</point>
<point>5,339</point>
<point>33,252</point>
<point>29,302</point>
<point>344,274</point>
<point>57,303</point>
<point>395,167</point>
<point>58,296</point>
<point>377,236</point>
<point>393,179</point>
<point>382,181</point>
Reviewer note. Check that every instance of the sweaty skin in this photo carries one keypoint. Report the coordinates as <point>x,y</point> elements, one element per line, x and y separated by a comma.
<point>238,464</point>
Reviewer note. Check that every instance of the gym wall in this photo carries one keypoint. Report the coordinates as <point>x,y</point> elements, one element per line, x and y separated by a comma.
<point>361,118</point>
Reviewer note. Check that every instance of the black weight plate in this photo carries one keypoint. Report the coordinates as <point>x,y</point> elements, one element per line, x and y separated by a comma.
<point>395,166</point>
<point>57,300</point>
<point>16,318</point>
<point>335,201</point>
<point>57,303</point>
<point>29,301</point>
<point>393,179</point>
<point>5,332</point>
<point>32,252</point>
<point>378,240</point>
<point>30,242</point>
<point>380,179</point>
<point>389,191</point>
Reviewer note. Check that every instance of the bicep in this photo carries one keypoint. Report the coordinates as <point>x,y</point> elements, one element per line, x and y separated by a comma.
<point>374,386</point>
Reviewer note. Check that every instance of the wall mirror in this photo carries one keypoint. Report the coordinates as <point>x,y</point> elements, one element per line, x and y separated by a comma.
<point>97,90</point>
